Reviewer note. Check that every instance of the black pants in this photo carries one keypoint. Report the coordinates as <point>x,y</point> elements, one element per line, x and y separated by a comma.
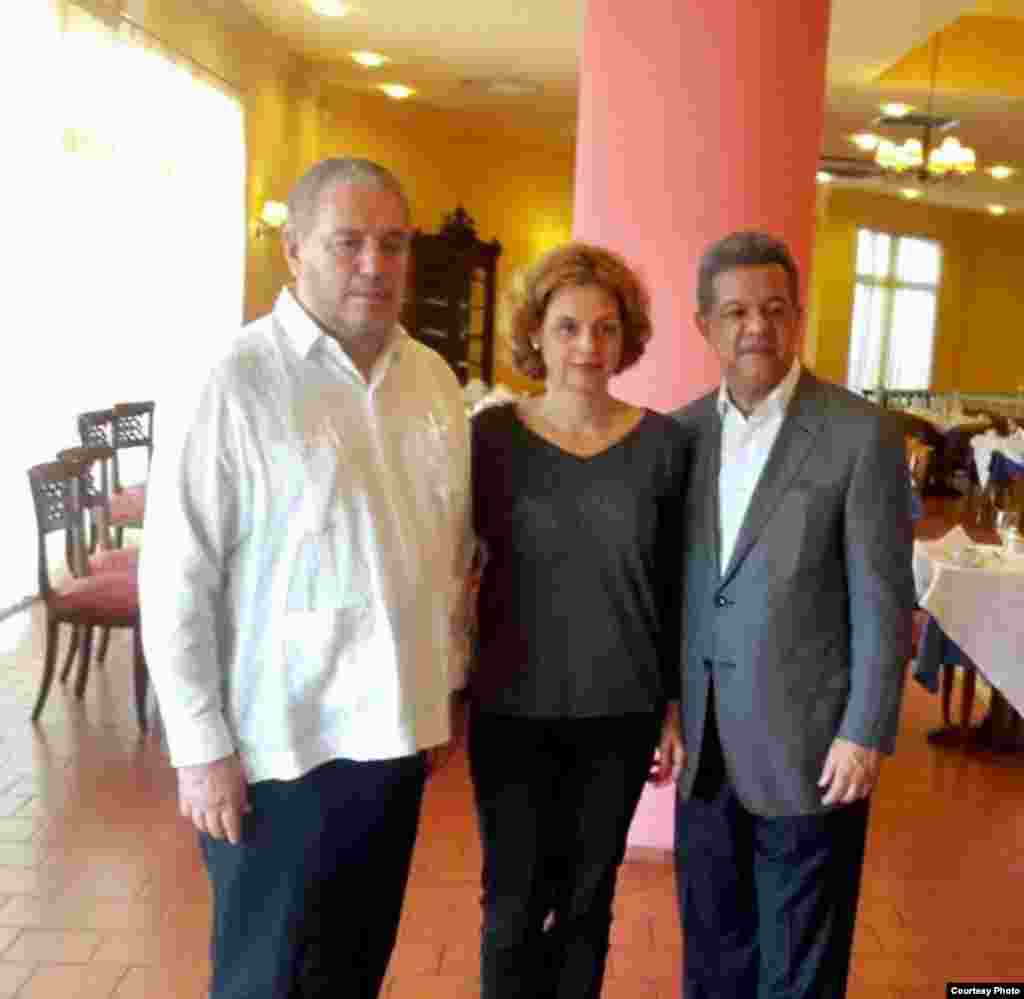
<point>307,905</point>
<point>555,800</point>
<point>767,904</point>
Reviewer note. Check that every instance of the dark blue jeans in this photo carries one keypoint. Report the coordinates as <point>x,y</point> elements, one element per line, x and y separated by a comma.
<point>767,904</point>
<point>308,904</point>
<point>555,800</point>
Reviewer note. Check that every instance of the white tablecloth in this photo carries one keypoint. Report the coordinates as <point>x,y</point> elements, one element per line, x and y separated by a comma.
<point>985,445</point>
<point>980,607</point>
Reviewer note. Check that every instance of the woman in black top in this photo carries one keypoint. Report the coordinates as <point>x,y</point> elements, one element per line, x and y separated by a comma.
<point>577,500</point>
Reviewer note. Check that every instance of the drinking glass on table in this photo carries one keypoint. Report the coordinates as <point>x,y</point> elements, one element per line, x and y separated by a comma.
<point>1007,527</point>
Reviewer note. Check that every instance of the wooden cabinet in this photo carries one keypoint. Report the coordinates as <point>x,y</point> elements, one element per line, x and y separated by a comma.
<point>450,303</point>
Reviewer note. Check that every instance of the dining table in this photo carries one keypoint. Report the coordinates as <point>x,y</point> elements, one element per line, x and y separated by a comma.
<point>973,592</point>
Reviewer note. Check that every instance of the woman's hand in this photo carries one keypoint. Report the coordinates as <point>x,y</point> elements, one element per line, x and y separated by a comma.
<point>670,754</point>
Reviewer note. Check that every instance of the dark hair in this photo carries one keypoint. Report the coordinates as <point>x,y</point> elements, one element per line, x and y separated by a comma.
<point>304,200</point>
<point>575,265</point>
<point>743,249</point>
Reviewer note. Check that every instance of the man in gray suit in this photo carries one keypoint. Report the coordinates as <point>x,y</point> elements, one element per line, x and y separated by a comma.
<point>797,609</point>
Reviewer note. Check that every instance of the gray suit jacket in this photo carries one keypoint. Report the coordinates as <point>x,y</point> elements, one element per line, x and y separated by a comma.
<point>806,632</point>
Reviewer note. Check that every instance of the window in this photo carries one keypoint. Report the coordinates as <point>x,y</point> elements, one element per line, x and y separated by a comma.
<point>894,307</point>
<point>128,232</point>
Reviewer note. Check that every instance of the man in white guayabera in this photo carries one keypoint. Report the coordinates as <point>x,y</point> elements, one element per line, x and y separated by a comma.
<point>306,534</point>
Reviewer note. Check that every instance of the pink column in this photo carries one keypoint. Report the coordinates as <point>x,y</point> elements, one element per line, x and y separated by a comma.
<point>697,117</point>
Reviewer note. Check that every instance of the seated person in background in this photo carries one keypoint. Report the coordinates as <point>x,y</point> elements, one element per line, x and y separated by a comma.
<point>919,456</point>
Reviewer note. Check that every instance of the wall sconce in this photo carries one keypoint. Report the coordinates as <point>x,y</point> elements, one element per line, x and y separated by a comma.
<point>273,216</point>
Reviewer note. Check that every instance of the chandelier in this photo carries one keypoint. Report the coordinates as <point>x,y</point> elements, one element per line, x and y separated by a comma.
<point>926,160</point>
<point>923,157</point>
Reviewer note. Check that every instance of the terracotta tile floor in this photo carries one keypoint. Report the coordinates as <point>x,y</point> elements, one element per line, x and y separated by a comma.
<point>102,893</point>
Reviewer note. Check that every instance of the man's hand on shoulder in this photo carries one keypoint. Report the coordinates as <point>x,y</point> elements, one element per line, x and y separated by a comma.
<point>214,797</point>
<point>850,772</point>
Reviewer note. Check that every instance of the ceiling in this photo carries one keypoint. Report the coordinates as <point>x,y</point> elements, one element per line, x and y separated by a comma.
<point>453,52</point>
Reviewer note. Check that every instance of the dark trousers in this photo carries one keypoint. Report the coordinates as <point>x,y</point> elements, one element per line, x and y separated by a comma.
<point>555,800</point>
<point>307,905</point>
<point>767,904</point>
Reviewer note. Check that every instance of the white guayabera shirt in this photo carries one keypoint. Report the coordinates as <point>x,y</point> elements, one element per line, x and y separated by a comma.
<point>306,537</point>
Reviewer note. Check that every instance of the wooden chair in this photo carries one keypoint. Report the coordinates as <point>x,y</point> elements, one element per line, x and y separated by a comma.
<point>95,427</point>
<point>104,600</point>
<point>131,427</point>
<point>94,465</point>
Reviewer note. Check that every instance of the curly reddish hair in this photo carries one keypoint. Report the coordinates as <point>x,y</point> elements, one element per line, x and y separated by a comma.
<point>575,265</point>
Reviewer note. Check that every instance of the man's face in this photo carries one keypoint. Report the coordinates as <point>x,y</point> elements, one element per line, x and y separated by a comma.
<point>753,326</point>
<point>350,268</point>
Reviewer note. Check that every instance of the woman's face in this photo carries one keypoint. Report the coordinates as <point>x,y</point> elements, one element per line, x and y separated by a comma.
<point>581,339</point>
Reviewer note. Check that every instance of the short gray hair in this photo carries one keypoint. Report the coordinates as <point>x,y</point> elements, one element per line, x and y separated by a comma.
<point>304,200</point>
<point>743,249</point>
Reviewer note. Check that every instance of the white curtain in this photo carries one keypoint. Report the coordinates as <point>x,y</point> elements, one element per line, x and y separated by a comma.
<point>132,216</point>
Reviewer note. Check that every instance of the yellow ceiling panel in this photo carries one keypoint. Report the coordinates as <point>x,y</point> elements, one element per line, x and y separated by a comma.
<point>978,54</point>
<point>999,8</point>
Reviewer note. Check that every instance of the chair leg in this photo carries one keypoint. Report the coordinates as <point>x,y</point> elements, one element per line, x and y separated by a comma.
<point>49,666</point>
<point>141,677</point>
<point>83,662</point>
<point>69,659</point>
<point>947,672</point>
<point>101,656</point>
<point>967,704</point>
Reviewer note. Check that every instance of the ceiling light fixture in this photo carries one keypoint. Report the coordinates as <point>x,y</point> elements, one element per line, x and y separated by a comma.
<point>273,215</point>
<point>922,157</point>
<point>896,109</point>
<point>396,91</point>
<point>331,8</point>
<point>866,141</point>
<point>1000,172</point>
<point>369,60</point>
<point>997,209</point>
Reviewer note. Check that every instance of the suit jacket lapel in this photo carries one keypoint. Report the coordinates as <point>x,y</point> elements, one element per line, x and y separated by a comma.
<point>800,427</point>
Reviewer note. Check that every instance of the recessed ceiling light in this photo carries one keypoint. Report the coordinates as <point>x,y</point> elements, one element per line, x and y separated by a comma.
<point>330,8</point>
<point>866,141</point>
<point>396,91</point>
<point>1000,172</point>
<point>997,209</point>
<point>896,109</point>
<point>371,60</point>
<point>823,177</point>
<point>910,193</point>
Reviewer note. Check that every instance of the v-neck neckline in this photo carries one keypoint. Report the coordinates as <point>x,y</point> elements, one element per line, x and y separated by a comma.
<point>572,454</point>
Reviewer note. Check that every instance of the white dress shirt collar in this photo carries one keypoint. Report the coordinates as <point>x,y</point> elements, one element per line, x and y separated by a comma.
<point>305,335</point>
<point>774,404</point>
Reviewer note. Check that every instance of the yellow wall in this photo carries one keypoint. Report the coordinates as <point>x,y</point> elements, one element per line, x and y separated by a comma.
<point>978,346</point>
<point>517,186</point>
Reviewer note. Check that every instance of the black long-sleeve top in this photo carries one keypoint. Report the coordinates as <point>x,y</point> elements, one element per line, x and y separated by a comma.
<point>580,598</point>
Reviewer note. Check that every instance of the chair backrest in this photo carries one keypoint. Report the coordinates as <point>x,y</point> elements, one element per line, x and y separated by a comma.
<point>132,426</point>
<point>93,464</point>
<point>55,495</point>
<point>95,428</point>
